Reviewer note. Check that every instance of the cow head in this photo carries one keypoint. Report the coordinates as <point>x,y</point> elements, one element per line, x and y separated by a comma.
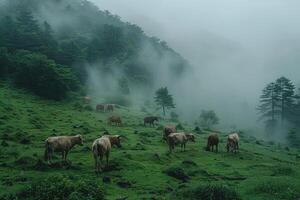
<point>116,140</point>
<point>80,139</point>
<point>190,137</point>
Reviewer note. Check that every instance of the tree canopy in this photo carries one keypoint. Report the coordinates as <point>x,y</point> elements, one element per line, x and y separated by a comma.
<point>164,99</point>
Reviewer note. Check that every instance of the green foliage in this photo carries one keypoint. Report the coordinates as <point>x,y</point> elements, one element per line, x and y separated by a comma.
<point>208,192</point>
<point>174,116</point>
<point>107,40</point>
<point>208,118</point>
<point>164,99</point>
<point>278,102</point>
<point>61,187</point>
<point>42,76</point>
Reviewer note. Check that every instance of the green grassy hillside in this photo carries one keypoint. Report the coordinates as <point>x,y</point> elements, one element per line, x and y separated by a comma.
<point>138,170</point>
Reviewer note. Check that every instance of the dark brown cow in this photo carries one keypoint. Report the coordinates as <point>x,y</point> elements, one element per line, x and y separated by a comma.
<point>150,120</point>
<point>114,119</point>
<point>100,107</point>
<point>109,108</point>
<point>212,140</point>
<point>168,129</point>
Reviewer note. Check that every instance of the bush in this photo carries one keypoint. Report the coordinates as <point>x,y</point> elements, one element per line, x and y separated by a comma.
<point>208,192</point>
<point>177,172</point>
<point>60,188</point>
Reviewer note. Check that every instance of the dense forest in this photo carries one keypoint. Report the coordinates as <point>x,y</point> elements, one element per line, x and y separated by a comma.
<point>47,47</point>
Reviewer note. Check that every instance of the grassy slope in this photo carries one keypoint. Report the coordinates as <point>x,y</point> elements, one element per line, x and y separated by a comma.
<point>143,157</point>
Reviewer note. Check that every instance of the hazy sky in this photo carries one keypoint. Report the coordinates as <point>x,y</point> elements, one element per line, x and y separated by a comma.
<point>235,46</point>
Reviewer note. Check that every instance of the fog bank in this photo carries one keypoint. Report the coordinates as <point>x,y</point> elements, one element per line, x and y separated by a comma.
<point>235,47</point>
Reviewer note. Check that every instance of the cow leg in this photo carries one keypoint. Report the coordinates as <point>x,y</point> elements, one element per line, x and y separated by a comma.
<point>107,157</point>
<point>100,162</point>
<point>217,148</point>
<point>96,163</point>
<point>66,154</point>
<point>50,155</point>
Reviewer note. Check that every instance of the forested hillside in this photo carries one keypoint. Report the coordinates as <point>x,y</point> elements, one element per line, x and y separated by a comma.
<point>53,43</point>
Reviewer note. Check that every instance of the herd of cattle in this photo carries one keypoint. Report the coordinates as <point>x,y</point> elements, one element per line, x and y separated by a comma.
<point>101,147</point>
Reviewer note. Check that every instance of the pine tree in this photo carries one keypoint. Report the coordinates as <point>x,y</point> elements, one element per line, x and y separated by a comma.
<point>164,99</point>
<point>287,98</point>
<point>49,43</point>
<point>29,34</point>
<point>268,108</point>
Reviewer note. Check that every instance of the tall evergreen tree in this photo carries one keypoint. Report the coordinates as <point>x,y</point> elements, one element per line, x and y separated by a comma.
<point>29,34</point>
<point>164,99</point>
<point>268,108</point>
<point>287,98</point>
<point>50,45</point>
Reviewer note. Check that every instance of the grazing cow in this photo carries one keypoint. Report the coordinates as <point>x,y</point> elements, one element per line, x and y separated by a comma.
<point>114,119</point>
<point>109,107</point>
<point>233,142</point>
<point>168,129</point>
<point>102,146</point>
<point>100,107</point>
<point>212,140</point>
<point>150,120</point>
<point>86,99</point>
<point>179,138</point>
<point>61,144</point>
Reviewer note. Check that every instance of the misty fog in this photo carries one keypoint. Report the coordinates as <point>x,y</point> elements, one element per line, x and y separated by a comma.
<point>234,46</point>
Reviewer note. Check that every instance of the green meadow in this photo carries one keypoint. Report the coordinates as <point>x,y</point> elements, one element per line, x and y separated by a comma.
<point>142,168</point>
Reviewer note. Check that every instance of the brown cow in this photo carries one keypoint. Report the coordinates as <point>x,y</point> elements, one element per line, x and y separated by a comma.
<point>109,107</point>
<point>150,120</point>
<point>212,140</point>
<point>100,107</point>
<point>168,129</point>
<point>114,119</point>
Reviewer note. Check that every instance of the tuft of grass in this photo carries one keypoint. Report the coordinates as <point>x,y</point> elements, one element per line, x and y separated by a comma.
<point>282,171</point>
<point>177,172</point>
<point>208,192</point>
<point>278,189</point>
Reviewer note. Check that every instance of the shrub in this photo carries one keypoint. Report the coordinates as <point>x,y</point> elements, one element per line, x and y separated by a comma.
<point>60,188</point>
<point>208,192</point>
<point>179,127</point>
<point>177,172</point>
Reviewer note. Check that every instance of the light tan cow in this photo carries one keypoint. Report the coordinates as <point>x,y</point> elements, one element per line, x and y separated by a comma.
<point>102,146</point>
<point>61,144</point>
<point>233,142</point>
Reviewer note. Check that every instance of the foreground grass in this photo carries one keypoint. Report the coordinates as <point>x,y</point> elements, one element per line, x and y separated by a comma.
<point>142,168</point>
